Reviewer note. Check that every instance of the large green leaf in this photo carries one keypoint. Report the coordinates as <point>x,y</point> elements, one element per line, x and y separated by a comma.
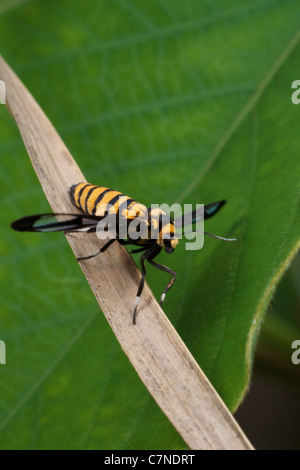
<point>167,102</point>
<point>280,329</point>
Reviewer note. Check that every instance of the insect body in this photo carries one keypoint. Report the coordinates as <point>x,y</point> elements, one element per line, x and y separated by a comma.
<point>156,227</point>
<point>98,201</point>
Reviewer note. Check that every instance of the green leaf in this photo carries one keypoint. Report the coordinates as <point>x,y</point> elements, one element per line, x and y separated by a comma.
<point>167,102</point>
<point>280,329</point>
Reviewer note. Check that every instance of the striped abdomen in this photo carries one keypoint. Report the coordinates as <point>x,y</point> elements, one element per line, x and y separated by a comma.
<point>94,200</point>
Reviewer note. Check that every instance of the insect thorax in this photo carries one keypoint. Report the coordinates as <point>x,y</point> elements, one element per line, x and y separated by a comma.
<point>156,225</point>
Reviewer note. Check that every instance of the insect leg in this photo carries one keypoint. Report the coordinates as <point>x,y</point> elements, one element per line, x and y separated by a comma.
<point>152,251</point>
<point>142,282</point>
<point>129,242</point>
<point>138,250</point>
<point>104,248</point>
<point>167,270</point>
<point>125,242</point>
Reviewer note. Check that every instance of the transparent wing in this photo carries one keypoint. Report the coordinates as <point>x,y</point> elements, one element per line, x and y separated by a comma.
<point>196,215</point>
<point>44,223</point>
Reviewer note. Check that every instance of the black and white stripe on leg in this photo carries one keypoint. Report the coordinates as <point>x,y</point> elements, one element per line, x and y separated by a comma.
<point>167,270</point>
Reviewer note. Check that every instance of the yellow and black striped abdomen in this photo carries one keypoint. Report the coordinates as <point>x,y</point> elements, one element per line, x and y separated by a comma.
<point>93,200</point>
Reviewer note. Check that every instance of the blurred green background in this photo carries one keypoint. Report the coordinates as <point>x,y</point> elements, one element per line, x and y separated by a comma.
<point>167,102</point>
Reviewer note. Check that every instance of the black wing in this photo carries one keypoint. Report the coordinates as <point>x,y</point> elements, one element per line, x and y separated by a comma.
<point>196,215</point>
<point>42,223</point>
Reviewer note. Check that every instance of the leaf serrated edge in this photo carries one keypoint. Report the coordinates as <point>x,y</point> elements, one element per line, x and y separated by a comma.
<point>259,315</point>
